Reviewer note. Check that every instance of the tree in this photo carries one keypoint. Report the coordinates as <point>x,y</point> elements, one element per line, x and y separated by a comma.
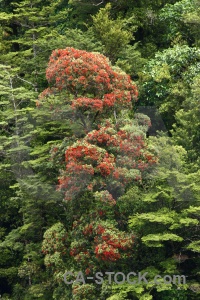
<point>112,33</point>
<point>109,156</point>
<point>29,37</point>
<point>185,132</point>
<point>165,220</point>
<point>90,84</point>
<point>166,80</point>
<point>77,166</point>
<point>180,19</point>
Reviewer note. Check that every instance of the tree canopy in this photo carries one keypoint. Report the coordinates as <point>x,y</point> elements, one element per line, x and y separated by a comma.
<point>99,149</point>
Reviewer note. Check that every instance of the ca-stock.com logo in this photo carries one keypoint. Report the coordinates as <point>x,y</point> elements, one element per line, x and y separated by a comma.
<point>132,278</point>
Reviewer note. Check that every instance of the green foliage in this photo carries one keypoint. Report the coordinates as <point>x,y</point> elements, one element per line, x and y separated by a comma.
<point>180,19</point>
<point>167,79</point>
<point>156,42</point>
<point>112,33</point>
<point>168,219</point>
<point>131,61</point>
<point>185,132</point>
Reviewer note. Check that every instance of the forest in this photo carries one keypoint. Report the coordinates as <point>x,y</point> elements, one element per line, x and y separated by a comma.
<point>100,149</point>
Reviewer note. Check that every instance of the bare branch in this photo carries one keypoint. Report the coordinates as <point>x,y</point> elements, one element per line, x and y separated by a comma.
<point>99,3</point>
<point>25,81</point>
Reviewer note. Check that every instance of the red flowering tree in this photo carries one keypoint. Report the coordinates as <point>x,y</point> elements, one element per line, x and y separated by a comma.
<point>99,167</point>
<point>105,161</point>
<point>90,84</point>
